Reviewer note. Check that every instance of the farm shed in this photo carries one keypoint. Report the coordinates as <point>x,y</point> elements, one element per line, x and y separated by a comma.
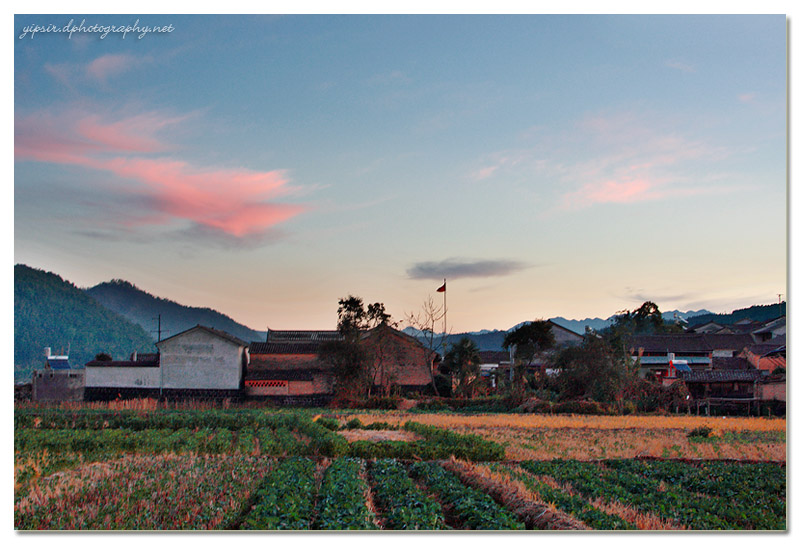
<point>58,381</point>
<point>729,388</point>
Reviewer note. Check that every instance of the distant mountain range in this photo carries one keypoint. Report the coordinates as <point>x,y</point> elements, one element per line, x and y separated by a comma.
<point>117,317</point>
<point>143,308</point>
<point>493,340</point>
<point>51,312</point>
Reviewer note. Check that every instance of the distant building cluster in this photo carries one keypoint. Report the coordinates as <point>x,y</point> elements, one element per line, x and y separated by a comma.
<point>206,363</point>
<point>743,364</point>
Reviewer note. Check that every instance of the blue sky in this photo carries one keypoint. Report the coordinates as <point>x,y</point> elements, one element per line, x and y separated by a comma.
<point>266,166</point>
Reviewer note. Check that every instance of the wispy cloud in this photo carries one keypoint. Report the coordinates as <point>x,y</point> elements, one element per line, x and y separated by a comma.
<point>236,202</point>
<point>682,66</point>
<point>746,97</point>
<point>99,71</point>
<point>617,158</point>
<point>108,66</point>
<point>454,268</point>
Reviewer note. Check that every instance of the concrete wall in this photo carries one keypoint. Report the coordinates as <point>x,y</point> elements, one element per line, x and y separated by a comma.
<point>47,386</point>
<point>130,377</point>
<point>199,359</point>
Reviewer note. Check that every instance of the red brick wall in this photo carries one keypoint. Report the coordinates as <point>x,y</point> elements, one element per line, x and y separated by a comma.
<point>284,361</point>
<point>400,360</point>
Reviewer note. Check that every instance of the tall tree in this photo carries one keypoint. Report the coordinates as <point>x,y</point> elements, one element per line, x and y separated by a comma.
<point>646,319</point>
<point>355,366</point>
<point>528,342</point>
<point>592,370</point>
<point>463,363</point>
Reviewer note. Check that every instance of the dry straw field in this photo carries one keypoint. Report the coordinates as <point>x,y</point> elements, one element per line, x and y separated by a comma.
<point>587,437</point>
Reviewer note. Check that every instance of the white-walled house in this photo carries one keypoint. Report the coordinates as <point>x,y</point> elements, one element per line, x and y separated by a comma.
<point>197,363</point>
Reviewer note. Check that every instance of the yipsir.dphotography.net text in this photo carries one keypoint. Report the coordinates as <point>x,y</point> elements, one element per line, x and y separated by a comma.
<point>140,31</point>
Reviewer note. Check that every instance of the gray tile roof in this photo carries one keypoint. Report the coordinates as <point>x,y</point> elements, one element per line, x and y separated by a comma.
<point>720,376</point>
<point>302,337</point>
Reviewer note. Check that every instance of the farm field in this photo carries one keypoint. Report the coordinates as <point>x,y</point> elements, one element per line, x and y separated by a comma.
<point>250,469</point>
<point>588,437</point>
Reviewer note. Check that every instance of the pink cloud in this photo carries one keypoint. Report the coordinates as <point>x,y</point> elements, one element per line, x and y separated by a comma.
<point>234,201</point>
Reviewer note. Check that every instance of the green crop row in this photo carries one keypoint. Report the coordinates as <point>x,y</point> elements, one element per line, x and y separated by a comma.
<point>286,498</point>
<point>653,495</point>
<point>759,488</point>
<point>462,446</point>
<point>473,509</point>
<point>403,505</point>
<point>122,440</point>
<point>573,505</point>
<point>341,504</point>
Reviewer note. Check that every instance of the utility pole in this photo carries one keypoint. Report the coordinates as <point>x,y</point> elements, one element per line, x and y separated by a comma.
<point>159,327</point>
<point>160,366</point>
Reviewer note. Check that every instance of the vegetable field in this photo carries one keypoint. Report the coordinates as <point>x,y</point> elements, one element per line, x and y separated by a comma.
<point>237,469</point>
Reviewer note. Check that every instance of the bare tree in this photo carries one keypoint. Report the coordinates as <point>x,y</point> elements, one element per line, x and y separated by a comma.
<point>425,321</point>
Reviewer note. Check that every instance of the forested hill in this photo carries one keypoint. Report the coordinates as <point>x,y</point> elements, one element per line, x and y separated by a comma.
<point>143,308</point>
<point>51,312</point>
<point>756,313</point>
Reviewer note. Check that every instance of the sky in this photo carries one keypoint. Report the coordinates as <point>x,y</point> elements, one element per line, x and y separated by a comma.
<point>545,165</point>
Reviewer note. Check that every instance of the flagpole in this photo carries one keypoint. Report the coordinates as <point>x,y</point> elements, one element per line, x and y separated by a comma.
<point>445,313</point>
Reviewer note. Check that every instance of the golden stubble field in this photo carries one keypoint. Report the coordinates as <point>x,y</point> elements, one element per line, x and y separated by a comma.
<point>587,437</point>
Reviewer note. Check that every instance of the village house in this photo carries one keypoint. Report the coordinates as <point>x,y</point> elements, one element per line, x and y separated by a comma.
<point>200,362</point>
<point>287,368</point>
<point>699,351</point>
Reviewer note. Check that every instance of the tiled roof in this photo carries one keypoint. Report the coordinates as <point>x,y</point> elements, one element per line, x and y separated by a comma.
<point>222,334</point>
<point>670,343</point>
<point>129,364</point>
<point>731,363</point>
<point>735,342</point>
<point>689,343</point>
<point>720,376</point>
<point>257,348</point>
<point>772,325</point>
<point>302,337</point>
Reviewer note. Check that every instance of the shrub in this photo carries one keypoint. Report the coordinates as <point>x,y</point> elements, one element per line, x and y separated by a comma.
<point>354,423</point>
<point>329,423</point>
<point>699,432</point>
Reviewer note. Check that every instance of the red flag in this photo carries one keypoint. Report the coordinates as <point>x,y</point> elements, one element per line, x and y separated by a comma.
<point>443,288</point>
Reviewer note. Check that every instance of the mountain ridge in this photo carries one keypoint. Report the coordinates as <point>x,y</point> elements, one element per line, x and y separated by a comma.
<point>50,311</point>
<point>141,307</point>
